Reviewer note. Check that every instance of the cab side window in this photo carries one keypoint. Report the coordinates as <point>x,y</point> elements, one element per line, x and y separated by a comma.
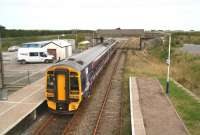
<point>33,54</point>
<point>42,54</point>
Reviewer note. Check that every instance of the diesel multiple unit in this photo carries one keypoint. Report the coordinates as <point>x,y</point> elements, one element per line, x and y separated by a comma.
<point>69,81</point>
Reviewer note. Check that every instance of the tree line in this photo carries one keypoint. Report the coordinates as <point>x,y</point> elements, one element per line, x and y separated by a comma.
<point>21,33</point>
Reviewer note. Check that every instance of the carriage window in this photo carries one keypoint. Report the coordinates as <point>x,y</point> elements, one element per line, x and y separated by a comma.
<point>33,54</point>
<point>74,83</point>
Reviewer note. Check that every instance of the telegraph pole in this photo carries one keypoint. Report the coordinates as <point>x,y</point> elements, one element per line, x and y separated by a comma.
<point>3,92</point>
<point>93,39</point>
<point>140,43</point>
<point>76,38</point>
<point>168,68</point>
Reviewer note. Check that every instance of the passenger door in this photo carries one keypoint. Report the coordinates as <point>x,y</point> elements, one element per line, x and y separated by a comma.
<point>62,84</point>
<point>61,87</point>
<point>87,79</point>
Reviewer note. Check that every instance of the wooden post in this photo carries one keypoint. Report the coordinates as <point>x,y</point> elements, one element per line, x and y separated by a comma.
<point>140,43</point>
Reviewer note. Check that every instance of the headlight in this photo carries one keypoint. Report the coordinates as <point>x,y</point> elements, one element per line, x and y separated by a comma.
<point>51,83</point>
<point>50,94</point>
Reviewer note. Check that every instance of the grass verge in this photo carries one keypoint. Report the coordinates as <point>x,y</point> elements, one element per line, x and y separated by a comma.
<point>151,63</point>
<point>126,118</point>
<point>187,107</point>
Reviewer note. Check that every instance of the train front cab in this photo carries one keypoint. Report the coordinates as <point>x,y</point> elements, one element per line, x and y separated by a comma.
<point>63,89</point>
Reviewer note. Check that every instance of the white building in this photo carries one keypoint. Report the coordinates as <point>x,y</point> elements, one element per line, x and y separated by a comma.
<point>61,49</point>
<point>72,42</point>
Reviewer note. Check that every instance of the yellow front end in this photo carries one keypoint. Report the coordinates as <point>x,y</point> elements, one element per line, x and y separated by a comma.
<point>63,89</point>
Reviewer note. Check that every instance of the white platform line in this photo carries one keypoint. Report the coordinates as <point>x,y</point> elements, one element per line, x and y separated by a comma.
<point>137,122</point>
<point>131,106</point>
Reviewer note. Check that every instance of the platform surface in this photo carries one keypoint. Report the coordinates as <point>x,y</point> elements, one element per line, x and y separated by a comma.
<point>159,114</point>
<point>20,104</point>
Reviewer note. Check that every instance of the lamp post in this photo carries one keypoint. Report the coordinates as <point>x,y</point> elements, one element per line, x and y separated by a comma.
<point>3,92</point>
<point>76,38</point>
<point>168,68</point>
<point>62,35</point>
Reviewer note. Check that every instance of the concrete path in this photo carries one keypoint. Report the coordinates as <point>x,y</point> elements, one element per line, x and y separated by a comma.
<point>159,115</point>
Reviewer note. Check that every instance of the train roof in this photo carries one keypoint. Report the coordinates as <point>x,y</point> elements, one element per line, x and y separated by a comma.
<point>81,60</point>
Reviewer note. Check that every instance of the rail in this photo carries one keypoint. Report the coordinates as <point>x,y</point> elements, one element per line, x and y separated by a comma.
<point>106,96</point>
<point>40,131</point>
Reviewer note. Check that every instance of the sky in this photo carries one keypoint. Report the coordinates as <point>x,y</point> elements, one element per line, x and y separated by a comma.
<point>100,14</point>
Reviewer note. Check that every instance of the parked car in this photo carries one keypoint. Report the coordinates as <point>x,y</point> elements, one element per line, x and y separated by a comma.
<point>33,55</point>
<point>13,48</point>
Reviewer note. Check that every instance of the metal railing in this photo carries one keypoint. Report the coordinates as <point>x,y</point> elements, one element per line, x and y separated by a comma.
<point>15,79</point>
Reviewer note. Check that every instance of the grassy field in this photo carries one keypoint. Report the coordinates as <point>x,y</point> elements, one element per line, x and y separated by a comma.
<point>180,38</point>
<point>151,63</point>
<point>6,42</point>
<point>185,67</point>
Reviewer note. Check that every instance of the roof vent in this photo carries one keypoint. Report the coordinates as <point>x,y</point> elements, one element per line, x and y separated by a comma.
<point>80,62</point>
<point>71,59</point>
<point>105,43</point>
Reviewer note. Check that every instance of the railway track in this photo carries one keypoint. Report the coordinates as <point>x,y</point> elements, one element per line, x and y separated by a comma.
<point>105,105</point>
<point>53,125</point>
<point>41,129</point>
<point>111,106</point>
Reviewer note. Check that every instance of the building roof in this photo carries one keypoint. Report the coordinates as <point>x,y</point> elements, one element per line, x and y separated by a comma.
<point>35,44</point>
<point>61,43</point>
<point>121,32</point>
<point>40,44</point>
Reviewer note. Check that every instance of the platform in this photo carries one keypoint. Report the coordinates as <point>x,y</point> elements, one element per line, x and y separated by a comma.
<point>152,112</point>
<point>20,104</point>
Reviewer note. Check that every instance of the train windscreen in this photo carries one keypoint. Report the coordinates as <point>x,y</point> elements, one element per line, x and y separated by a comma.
<point>50,81</point>
<point>74,83</point>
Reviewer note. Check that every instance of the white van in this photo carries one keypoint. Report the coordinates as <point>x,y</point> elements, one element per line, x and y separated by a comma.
<point>33,55</point>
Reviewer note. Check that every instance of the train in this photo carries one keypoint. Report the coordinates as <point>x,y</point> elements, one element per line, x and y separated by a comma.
<point>70,81</point>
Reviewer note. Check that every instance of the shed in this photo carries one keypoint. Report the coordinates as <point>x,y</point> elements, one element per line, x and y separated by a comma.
<point>72,42</point>
<point>61,49</point>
